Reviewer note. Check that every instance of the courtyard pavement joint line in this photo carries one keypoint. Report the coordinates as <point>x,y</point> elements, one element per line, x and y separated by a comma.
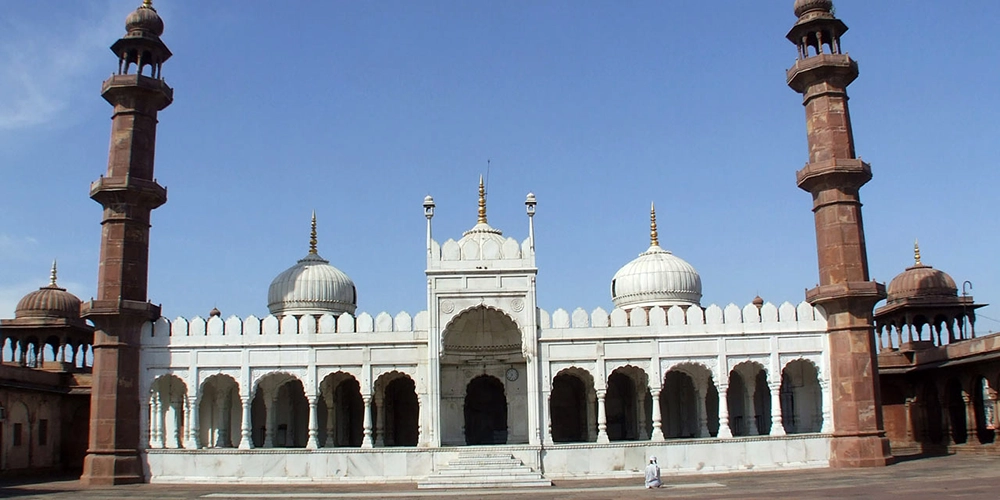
<point>454,493</point>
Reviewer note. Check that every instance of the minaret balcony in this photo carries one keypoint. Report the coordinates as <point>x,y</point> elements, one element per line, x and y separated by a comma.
<point>108,190</point>
<point>118,84</point>
<point>848,172</point>
<point>823,67</point>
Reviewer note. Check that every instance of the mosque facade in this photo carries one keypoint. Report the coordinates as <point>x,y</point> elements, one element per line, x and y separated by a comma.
<point>485,382</point>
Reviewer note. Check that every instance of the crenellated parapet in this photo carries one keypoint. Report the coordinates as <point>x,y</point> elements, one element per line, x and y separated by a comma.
<point>713,320</point>
<point>289,327</point>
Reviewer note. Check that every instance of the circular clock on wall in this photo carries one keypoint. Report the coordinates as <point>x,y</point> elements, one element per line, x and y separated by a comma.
<point>512,374</point>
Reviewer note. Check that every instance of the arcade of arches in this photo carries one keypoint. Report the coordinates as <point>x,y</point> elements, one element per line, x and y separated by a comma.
<point>687,404</point>
<point>280,415</point>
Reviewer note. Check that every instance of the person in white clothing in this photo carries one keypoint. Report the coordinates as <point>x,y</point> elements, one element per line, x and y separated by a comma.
<point>653,474</point>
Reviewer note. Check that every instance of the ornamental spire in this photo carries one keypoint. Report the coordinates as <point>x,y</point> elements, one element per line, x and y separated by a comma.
<point>482,201</point>
<point>654,237</point>
<point>312,236</point>
<point>147,4</point>
<point>916,253</point>
<point>52,274</point>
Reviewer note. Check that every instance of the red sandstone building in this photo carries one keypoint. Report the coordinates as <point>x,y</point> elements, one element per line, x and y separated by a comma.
<point>911,374</point>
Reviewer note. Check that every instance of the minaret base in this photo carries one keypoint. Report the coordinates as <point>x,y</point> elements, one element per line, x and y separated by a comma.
<point>113,468</point>
<point>856,451</point>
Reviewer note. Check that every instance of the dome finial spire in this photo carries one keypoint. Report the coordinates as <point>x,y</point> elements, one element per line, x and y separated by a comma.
<point>312,236</point>
<point>654,237</point>
<point>482,201</point>
<point>147,4</point>
<point>916,253</point>
<point>52,275</point>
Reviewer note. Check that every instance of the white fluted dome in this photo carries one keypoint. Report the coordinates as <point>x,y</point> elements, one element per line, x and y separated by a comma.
<point>656,278</point>
<point>312,286</point>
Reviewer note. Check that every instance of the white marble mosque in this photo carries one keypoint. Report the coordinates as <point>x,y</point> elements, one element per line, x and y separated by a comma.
<point>316,392</point>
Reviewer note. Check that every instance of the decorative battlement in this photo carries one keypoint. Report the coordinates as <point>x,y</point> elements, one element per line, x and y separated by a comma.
<point>285,325</point>
<point>693,320</point>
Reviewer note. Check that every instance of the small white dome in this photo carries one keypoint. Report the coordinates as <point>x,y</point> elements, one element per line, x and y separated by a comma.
<point>312,286</point>
<point>656,278</point>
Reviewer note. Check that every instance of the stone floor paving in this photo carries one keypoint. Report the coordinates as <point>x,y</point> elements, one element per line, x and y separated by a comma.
<point>956,476</point>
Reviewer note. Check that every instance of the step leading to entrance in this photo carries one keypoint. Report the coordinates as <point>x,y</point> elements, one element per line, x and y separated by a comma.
<point>484,470</point>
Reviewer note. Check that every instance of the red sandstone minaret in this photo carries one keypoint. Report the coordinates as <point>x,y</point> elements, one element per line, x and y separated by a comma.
<point>834,175</point>
<point>128,194</point>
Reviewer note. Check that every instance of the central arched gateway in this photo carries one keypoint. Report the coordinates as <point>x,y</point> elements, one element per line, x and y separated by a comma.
<point>484,393</point>
<point>485,411</point>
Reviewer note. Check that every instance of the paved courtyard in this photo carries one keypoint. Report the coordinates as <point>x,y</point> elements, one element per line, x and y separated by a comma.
<point>957,476</point>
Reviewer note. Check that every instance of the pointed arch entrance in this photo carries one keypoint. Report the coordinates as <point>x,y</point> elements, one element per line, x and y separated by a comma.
<point>483,387</point>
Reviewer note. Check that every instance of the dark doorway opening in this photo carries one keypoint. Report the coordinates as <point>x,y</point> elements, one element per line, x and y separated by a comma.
<point>485,411</point>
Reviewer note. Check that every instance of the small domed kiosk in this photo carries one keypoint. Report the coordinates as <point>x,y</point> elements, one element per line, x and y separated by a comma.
<point>923,296</point>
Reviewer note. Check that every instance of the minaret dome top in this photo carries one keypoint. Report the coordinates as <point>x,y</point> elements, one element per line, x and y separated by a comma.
<point>144,20</point>
<point>803,7</point>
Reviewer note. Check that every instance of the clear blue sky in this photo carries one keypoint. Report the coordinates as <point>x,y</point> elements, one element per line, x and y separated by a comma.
<point>360,109</point>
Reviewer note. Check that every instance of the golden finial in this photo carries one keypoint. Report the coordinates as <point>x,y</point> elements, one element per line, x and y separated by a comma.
<point>654,237</point>
<point>147,4</point>
<point>916,253</point>
<point>52,275</point>
<point>482,201</point>
<point>312,235</point>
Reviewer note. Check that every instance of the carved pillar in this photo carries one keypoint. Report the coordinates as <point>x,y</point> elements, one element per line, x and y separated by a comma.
<point>724,431</point>
<point>191,419</point>
<point>777,420</point>
<point>223,405</point>
<point>380,420</point>
<point>827,395</point>
<point>909,407</point>
<point>751,410</point>
<point>178,409</point>
<point>367,441</point>
<point>269,410</point>
<point>313,442</point>
<point>331,429</point>
<point>702,396</point>
<point>155,440</point>
<point>970,418</point>
<point>246,440</point>
<point>591,417</point>
<point>547,397</point>
<point>657,418</point>
<point>641,417</point>
<point>602,419</point>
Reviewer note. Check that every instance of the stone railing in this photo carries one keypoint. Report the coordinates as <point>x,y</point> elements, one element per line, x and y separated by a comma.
<point>285,325</point>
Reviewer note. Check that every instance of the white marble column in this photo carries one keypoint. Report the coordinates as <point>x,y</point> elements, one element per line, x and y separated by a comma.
<point>724,431</point>
<point>547,407</point>
<point>313,442</point>
<point>246,439</point>
<point>703,413</point>
<point>380,420</point>
<point>591,418</point>
<point>223,405</point>
<point>155,439</point>
<point>640,417</point>
<point>827,395</point>
<point>657,418</point>
<point>367,441</point>
<point>602,419</point>
<point>777,421</point>
<point>191,419</point>
<point>178,409</point>
<point>331,429</point>
<point>269,411</point>
<point>751,411</point>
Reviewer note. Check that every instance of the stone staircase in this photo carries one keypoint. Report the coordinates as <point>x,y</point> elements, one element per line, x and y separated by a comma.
<point>479,469</point>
